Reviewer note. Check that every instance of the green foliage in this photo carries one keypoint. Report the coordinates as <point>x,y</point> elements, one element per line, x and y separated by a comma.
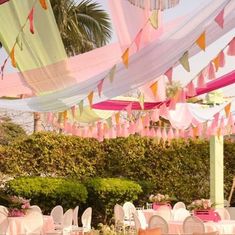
<point>10,131</point>
<point>51,154</point>
<point>48,192</point>
<point>104,193</point>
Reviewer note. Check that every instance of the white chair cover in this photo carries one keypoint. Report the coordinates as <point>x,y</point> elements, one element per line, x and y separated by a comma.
<point>193,224</point>
<point>179,205</point>
<point>3,222</point>
<point>75,216</point>
<point>158,221</point>
<point>164,212</point>
<point>33,223</point>
<point>129,210</point>
<point>57,215</point>
<point>137,222</point>
<point>35,208</point>
<point>118,215</point>
<point>142,219</point>
<point>180,214</point>
<point>86,219</point>
<point>223,213</point>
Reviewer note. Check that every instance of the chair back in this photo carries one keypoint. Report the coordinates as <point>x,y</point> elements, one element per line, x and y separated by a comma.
<point>3,222</point>
<point>57,214</point>
<point>180,214</point>
<point>193,224</point>
<point>118,214</point>
<point>136,222</point>
<point>223,213</point>
<point>86,219</point>
<point>3,210</point>
<point>164,212</point>
<point>68,219</point>
<point>75,215</point>
<point>142,219</point>
<point>35,208</point>
<point>129,210</point>
<point>179,205</point>
<point>33,223</point>
<point>158,221</point>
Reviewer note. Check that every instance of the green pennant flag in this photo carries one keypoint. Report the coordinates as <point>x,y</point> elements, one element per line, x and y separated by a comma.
<point>185,62</point>
<point>112,73</point>
<point>154,19</point>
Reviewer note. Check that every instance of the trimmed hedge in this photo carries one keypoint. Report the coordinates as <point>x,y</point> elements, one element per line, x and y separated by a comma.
<point>48,192</point>
<point>105,193</point>
<point>180,169</point>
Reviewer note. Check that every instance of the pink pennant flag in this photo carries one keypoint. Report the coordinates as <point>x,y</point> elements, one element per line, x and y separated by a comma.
<point>3,1</point>
<point>169,74</point>
<point>221,59</point>
<point>155,115</point>
<point>100,86</point>
<point>170,134</point>
<point>138,39</point>
<point>49,117</point>
<point>176,133</point>
<point>231,48</point>
<point>219,19</point>
<point>146,120</point>
<point>128,109</point>
<point>201,81</point>
<point>158,133</point>
<point>211,71</point>
<point>172,104</point>
<point>163,111</point>
<point>31,23</point>
<point>191,89</point>
<point>182,96</point>
<point>216,120</point>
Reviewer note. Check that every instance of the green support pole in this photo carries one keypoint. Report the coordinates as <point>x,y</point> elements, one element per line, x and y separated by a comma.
<point>217,170</point>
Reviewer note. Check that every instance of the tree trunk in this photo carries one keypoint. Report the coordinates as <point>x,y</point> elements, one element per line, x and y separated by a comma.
<point>37,122</point>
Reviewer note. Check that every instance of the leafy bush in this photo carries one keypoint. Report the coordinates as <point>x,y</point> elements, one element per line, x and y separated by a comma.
<point>48,192</point>
<point>104,193</point>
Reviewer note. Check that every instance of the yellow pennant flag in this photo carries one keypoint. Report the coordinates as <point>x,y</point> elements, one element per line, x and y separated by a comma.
<point>227,109</point>
<point>154,19</point>
<point>43,4</point>
<point>112,73</point>
<point>65,115</point>
<point>117,118</point>
<point>195,131</point>
<point>154,88</point>
<point>81,107</point>
<point>125,57</point>
<point>184,61</point>
<point>216,62</point>
<point>141,100</point>
<point>12,56</point>
<point>90,98</point>
<point>201,41</point>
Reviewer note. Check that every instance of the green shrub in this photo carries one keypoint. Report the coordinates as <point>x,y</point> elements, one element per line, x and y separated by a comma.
<point>104,193</point>
<point>48,192</point>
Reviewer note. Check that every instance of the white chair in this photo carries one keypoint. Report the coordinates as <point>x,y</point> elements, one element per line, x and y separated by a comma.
<point>137,222</point>
<point>33,223</point>
<point>3,222</point>
<point>180,214</point>
<point>142,219</point>
<point>57,215</point>
<point>223,213</point>
<point>35,208</point>
<point>164,212</point>
<point>119,218</point>
<point>75,216</point>
<point>129,210</point>
<point>3,210</point>
<point>158,221</point>
<point>226,203</point>
<point>193,224</point>
<point>179,205</point>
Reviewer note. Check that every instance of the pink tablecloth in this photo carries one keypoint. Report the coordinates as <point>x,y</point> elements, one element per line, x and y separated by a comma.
<point>16,225</point>
<point>223,227</point>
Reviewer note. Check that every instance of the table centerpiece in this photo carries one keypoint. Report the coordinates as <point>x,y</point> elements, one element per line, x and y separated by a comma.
<point>159,200</point>
<point>17,206</point>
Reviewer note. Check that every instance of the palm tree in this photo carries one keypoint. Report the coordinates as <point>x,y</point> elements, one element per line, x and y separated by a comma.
<point>83,27</point>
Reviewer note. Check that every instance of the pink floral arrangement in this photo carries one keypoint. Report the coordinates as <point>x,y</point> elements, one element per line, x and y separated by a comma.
<point>202,204</point>
<point>160,198</point>
<point>18,206</point>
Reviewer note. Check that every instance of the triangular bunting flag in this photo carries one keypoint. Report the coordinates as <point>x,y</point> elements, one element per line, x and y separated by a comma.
<point>185,62</point>
<point>141,100</point>
<point>138,39</point>
<point>31,23</point>
<point>12,56</point>
<point>219,19</point>
<point>43,4</point>
<point>81,107</point>
<point>211,72</point>
<point>195,131</point>
<point>201,81</point>
<point>169,74</point>
<point>125,57</point>
<point>227,109</point>
<point>231,48</point>
<point>201,41</point>
<point>109,122</point>
<point>117,117</point>
<point>100,86</point>
<point>216,62</point>
<point>221,59</point>
<point>90,98</point>
<point>172,104</point>
<point>154,19</point>
<point>128,109</point>
<point>191,89</point>
<point>112,73</point>
<point>154,88</point>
